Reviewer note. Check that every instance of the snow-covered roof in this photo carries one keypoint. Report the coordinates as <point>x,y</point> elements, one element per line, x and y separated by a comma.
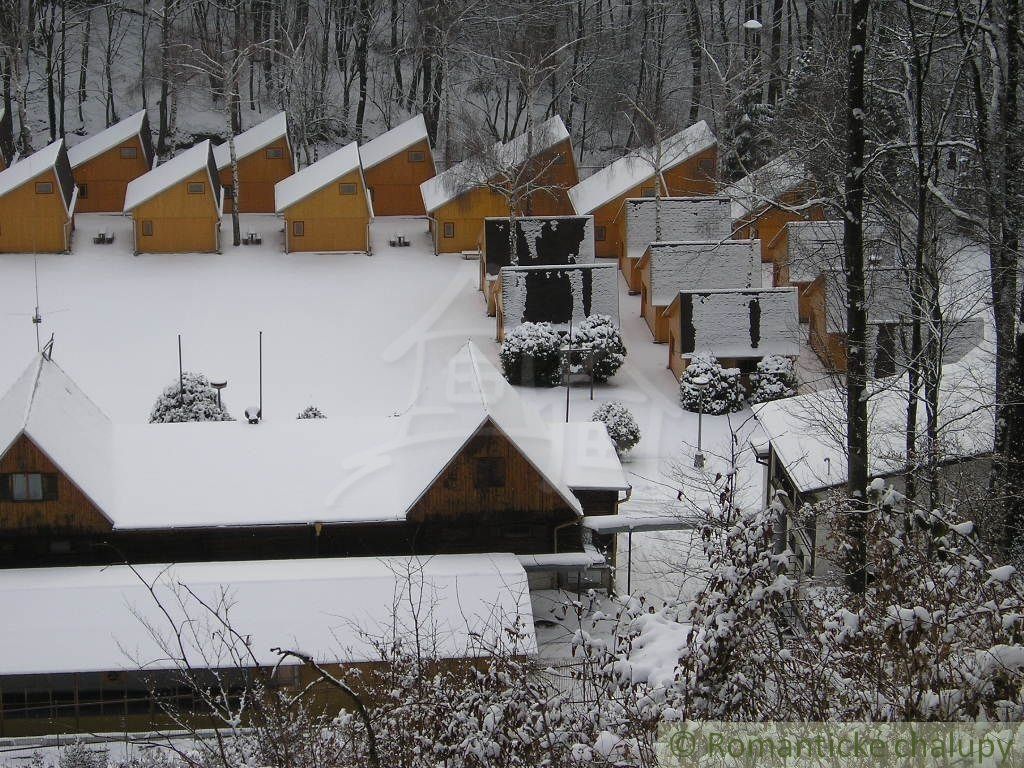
<point>107,139</point>
<point>475,172</point>
<point>316,605</point>
<point>27,168</point>
<point>315,177</point>
<point>759,189</point>
<point>634,169</point>
<point>739,323</point>
<point>701,219</point>
<point>387,145</point>
<point>887,292</point>
<point>166,175</point>
<point>808,432</point>
<point>812,248</point>
<point>690,266</point>
<point>45,405</point>
<point>541,240</point>
<point>589,289</point>
<point>252,140</point>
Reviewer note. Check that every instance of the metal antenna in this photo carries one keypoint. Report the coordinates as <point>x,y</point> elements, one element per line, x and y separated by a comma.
<point>181,376</point>
<point>261,374</point>
<point>37,319</point>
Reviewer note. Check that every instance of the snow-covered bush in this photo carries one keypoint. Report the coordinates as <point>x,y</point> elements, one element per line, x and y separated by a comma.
<point>622,427</point>
<point>774,379</point>
<point>530,355</point>
<point>311,412</point>
<point>192,399</point>
<point>722,394</point>
<point>78,755</point>
<point>600,334</point>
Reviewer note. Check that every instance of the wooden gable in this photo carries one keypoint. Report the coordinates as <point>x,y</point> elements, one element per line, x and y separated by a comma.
<point>103,179</point>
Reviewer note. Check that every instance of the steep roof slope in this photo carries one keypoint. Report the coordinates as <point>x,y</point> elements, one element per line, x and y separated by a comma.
<point>252,140</point>
<point>315,177</point>
<point>759,189</point>
<point>389,144</point>
<point>175,170</point>
<point>107,139</point>
<point>27,168</point>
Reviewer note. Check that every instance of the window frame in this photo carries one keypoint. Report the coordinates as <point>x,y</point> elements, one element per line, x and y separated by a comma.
<point>344,186</point>
<point>196,188</point>
<point>490,473</point>
<point>83,191</point>
<point>274,153</point>
<point>649,192</point>
<point>147,227</point>
<point>44,187</point>
<point>448,229</point>
<point>129,153</point>
<point>600,233</point>
<point>299,228</point>
<point>416,156</point>
<point>35,487</point>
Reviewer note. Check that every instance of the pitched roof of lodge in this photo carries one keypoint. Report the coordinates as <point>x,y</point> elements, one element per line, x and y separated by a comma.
<point>118,133</point>
<point>175,170</point>
<point>315,177</point>
<point>759,189</point>
<point>679,219</point>
<point>389,144</point>
<point>691,266</point>
<point>335,474</point>
<point>252,140</point>
<point>473,173</point>
<point>331,608</point>
<point>628,172</point>
<point>53,157</point>
<point>813,247</point>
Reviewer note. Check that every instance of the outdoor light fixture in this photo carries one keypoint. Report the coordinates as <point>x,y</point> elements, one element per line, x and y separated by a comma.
<point>701,383</point>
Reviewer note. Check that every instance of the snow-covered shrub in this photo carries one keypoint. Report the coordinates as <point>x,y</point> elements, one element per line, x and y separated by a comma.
<point>622,427</point>
<point>722,394</point>
<point>600,334</point>
<point>530,355</point>
<point>774,379</point>
<point>311,412</point>
<point>193,399</point>
<point>78,755</point>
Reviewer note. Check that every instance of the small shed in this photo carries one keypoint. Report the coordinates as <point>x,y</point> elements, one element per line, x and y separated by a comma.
<point>764,201</point>
<point>670,219</point>
<point>326,206</point>
<point>738,327</point>
<point>264,157</point>
<point>175,208</point>
<point>395,164</point>
<point>557,295</point>
<point>458,200</point>
<point>105,163</point>
<point>668,268</point>
<point>689,164</point>
<point>37,203</point>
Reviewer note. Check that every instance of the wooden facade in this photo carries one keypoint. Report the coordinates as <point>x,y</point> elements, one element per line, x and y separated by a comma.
<point>258,172</point>
<point>335,218</point>
<point>103,172</point>
<point>180,219</point>
<point>37,213</point>
<point>766,223</point>
<point>394,183</point>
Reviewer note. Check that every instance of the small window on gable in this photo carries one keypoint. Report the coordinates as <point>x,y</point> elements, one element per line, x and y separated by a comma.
<point>490,473</point>
<point>648,191</point>
<point>298,228</point>
<point>559,159</point>
<point>347,188</point>
<point>417,156</point>
<point>196,187</point>
<point>274,153</point>
<point>44,187</point>
<point>707,166</point>
<point>147,228</point>
<point>83,191</point>
<point>229,191</point>
<point>449,229</point>
<point>129,153</point>
<point>600,233</point>
<point>28,486</point>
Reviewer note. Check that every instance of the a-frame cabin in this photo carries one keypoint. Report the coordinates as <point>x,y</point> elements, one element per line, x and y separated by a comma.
<point>264,157</point>
<point>37,203</point>
<point>395,164</point>
<point>106,163</point>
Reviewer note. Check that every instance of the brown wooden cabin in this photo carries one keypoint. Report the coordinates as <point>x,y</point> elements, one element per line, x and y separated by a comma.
<point>175,208</point>
<point>325,206</point>
<point>264,157</point>
<point>104,164</point>
<point>38,197</point>
<point>395,164</point>
<point>457,201</point>
<point>689,163</point>
<point>801,253</point>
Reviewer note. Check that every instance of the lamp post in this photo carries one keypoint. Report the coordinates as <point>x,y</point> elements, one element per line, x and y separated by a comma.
<point>700,383</point>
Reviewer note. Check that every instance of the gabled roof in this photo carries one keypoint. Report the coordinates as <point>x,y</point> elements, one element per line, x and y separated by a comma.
<point>634,169</point>
<point>27,168</point>
<point>759,189</point>
<point>886,290</point>
<point>812,248</point>
<point>387,145</point>
<point>315,177</point>
<point>175,170</point>
<point>700,219</point>
<point>46,406</point>
<point>475,172</point>
<point>691,266</point>
<point>592,289</point>
<point>107,139</point>
<point>252,140</point>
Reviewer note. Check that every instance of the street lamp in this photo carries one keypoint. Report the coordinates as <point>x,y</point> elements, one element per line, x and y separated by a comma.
<point>700,383</point>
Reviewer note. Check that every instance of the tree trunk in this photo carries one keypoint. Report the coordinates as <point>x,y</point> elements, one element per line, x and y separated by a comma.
<point>695,39</point>
<point>83,67</point>
<point>165,80</point>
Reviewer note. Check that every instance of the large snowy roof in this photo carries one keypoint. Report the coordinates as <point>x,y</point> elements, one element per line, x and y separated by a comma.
<point>699,219</point>
<point>108,139</point>
<point>387,145</point>
<point>475,172</point>
<point>166,175</point>
<point>887,292</point>
<point>759,189</point>
<point>740,323</point>
<point>315,177</point>
<point>691,266</point>
<point>813,247</point>
<point>252,140</point>
<point>627,172</point>
<point>808,433</point>
<point>45,405</point>
<point>27,168</point>
<point>317,606</point>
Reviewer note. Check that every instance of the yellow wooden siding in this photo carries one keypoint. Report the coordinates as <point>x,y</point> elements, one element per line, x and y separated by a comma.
<point>332,221</point>
<point>34,223</point>
<point>257,175</point>
<point>106,177</point>
<point>770,222</point>
<point>182,222</point>
<point>396,182</point>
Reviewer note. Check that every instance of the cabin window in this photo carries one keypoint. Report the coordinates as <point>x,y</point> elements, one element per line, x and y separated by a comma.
<point>559,159</point>
<point>28,486</point>
<point>229,191</point>
<point>147,228</point>
<point>44,187</point>
<point>517,531</point>
<point>707,166</point>
<point>129,153</point>
<point>347,188</point>
<point>647,191</point>
<point>449,229</point>
<point>490,473</point>
<point>417,156</point>
<point>298,228</point>
<point>274,153</point>
<point>196,187</point>
<point>83,191</point>
<point>600,233</point>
